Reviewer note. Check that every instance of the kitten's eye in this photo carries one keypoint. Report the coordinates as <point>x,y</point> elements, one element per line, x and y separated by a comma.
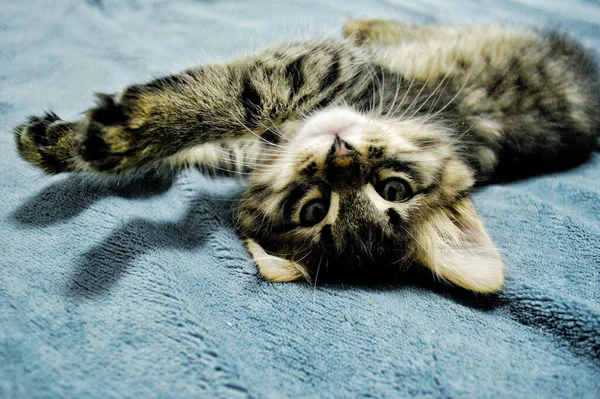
<point>394,189</point>
<point>313,212</point>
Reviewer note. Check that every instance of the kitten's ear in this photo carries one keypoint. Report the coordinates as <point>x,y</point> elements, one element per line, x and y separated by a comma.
<point>274,268</point>
<point>454,244</point>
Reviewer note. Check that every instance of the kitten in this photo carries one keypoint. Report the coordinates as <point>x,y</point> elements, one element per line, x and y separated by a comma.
<point>360,154</point>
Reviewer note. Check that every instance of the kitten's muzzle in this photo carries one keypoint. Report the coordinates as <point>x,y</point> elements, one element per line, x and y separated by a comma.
<point>342,162</point>
<point>341,152</point>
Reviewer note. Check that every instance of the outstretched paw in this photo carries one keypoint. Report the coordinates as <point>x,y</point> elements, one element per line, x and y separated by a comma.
<point>47,142</point>
<point>110,141</point>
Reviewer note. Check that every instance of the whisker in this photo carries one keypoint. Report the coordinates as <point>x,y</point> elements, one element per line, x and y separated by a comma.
<point>435,90</point>
<point>398,84</point>
<point>417,96</point>
<point>317,273</point>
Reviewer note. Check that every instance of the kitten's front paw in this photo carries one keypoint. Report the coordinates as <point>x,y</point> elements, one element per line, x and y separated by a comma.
<point>46,142</point>
<point>110,141</point>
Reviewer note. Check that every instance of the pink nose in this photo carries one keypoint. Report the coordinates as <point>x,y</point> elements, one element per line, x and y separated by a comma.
<point>343,165</point>
<point>340,148</point>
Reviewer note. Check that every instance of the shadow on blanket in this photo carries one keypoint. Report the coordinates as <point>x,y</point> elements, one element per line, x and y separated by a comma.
<point>98,269</point>
<point>68,198</point>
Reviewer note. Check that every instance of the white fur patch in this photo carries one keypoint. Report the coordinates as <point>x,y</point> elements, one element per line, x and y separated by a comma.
<point>274,268</point>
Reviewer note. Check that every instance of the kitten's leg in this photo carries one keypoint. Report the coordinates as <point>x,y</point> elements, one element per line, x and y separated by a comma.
<point>148,123</point>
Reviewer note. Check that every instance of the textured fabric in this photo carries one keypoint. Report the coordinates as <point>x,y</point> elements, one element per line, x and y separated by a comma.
<point>142,289</point>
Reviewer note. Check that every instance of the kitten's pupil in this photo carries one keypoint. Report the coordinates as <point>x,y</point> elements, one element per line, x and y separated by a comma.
<point>390,191</point>
<point>394,190</point>
<point>313,212</point>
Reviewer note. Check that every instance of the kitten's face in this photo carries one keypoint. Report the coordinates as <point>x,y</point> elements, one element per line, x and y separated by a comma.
<point>346,196</point>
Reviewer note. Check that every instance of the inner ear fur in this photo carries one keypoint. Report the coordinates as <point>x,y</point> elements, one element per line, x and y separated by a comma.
<point>452,242</point>
<point>274,268</point>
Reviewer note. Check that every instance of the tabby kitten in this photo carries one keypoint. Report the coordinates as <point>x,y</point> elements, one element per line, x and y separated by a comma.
<point>360,154</point>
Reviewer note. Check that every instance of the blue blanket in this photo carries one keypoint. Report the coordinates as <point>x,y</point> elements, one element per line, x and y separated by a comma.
<point>140,288</point>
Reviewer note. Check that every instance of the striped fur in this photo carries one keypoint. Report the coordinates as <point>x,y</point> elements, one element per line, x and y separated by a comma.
<point>440,109</point>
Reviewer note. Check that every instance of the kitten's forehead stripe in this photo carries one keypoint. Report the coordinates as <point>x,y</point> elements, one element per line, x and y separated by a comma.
<point>356,207</point>
<point>326,238</point>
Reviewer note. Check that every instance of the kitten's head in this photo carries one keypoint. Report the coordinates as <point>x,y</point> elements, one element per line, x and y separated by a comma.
<point>345,196</point>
